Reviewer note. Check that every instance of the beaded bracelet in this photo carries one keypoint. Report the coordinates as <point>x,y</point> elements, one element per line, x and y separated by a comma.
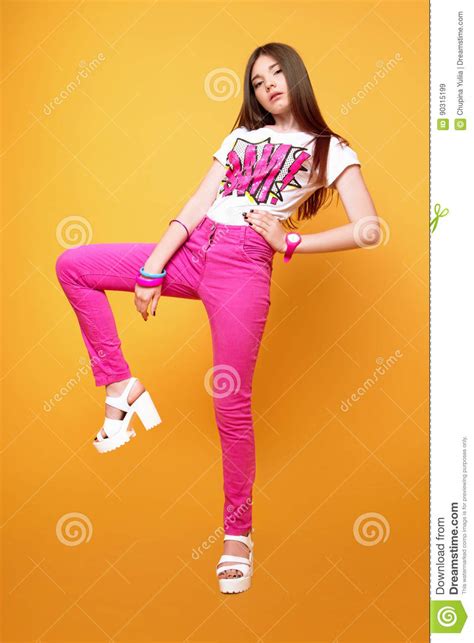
<point>184,226</point>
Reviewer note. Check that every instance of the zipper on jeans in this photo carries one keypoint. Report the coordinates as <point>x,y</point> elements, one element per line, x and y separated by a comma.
<point>211,237</point>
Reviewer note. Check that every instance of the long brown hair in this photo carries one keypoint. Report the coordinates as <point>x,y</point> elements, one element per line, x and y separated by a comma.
<point>305,110</point>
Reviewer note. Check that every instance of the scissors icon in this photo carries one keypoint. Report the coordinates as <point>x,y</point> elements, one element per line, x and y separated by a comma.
<point>438,214</point>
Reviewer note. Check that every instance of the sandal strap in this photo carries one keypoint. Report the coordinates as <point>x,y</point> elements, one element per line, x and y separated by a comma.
<point>111,427</point>
<point>229,558</point>
<point>247,540</point>
<point>120,402</point>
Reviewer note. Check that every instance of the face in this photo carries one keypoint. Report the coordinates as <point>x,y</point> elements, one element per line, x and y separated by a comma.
<point>267,80</point>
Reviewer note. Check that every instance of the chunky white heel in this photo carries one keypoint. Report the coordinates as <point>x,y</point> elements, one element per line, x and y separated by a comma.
<point>239,563</point>
<point>146,411</point>
<point>118,431</point>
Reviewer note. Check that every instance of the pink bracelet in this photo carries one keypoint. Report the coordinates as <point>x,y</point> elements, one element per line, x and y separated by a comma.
<point>187,231</point>
<point>148,283</point>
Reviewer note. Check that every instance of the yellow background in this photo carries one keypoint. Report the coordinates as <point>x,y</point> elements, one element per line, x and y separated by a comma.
<point>124,151</point>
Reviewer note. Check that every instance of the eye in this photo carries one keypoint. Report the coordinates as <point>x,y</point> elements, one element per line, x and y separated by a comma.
<point>278,71</point>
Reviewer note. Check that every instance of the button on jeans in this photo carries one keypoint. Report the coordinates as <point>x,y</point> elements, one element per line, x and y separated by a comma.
<point>229,269</point>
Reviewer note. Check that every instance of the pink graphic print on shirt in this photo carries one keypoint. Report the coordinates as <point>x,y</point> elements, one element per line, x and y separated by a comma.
<point>264,179</point>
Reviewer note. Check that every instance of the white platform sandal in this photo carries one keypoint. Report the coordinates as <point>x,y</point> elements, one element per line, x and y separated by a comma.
<point>118,431</point>
<point>239,563</point>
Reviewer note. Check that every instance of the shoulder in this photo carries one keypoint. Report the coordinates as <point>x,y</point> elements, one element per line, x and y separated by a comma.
<point>235,133</point>
<point>338,146</point>
<point>239,130</point>
<point>336,143</point>
<point>340,156</point>
<point>338,149</point>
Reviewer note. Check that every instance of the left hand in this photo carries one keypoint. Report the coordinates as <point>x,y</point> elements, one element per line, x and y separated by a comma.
<point>269,227</point>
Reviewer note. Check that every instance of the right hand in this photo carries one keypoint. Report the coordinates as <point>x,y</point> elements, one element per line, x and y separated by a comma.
<point>146,296</point>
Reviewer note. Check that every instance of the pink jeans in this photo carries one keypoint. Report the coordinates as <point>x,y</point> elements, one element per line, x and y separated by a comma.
<point>229,269</point>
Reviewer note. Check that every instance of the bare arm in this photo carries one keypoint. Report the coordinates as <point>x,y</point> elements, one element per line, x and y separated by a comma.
<point>363,229</point>
<point>191,214</point>
<point>364,226</point>
<point>175,235</point>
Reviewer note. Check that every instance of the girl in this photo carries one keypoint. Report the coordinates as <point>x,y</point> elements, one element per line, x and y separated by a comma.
<point>280,157</point>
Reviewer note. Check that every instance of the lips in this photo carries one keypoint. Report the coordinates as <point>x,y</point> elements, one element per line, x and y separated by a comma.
<point>276,96</point>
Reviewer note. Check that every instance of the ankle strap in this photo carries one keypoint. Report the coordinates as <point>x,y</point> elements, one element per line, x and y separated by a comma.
<point>247,540</point>
<point>120,402</point>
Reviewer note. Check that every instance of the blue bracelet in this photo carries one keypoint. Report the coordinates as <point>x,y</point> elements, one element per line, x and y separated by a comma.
<point>152,275</point>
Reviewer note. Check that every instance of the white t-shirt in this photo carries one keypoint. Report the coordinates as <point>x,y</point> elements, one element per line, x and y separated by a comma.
<point>269,170</point>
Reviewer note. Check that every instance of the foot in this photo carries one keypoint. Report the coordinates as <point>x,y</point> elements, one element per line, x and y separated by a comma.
<point>234,548</point>
<point>115,390</point>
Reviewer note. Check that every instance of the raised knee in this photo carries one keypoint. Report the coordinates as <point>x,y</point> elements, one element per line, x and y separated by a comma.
<point>64,263</point>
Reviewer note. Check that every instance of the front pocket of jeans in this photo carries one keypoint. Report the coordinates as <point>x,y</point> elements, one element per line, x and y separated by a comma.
<point>259,252</point>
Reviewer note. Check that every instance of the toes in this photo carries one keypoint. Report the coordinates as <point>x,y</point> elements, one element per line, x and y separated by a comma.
<point>231,573</point>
